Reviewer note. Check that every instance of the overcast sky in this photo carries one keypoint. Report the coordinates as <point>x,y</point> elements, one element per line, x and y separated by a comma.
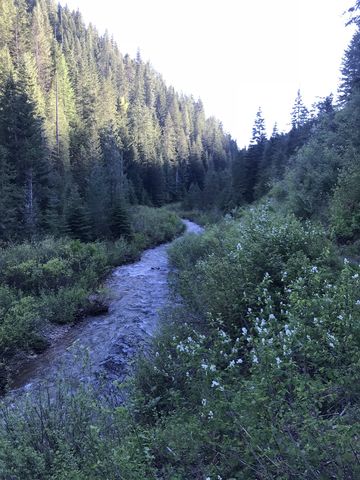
<point>236,55</point>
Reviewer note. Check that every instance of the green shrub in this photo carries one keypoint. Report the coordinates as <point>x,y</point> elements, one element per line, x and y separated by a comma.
<point>19,325</point>
<point>267,384</point>
<point>229,260</point>
<point>72,435</point>
<point>63,306</point>
<point>157,225</point>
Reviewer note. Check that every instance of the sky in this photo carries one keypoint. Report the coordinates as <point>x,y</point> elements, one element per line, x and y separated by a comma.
<point>236,55</point>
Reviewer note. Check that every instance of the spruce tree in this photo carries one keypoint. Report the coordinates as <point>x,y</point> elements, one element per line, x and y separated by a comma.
<point>77,218</point>
<point>119,222</point>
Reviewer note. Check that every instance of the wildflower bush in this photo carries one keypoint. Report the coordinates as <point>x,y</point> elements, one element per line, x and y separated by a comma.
<point>264,381</point>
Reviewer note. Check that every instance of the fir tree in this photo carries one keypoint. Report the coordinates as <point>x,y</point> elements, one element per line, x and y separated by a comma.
<point>119,222</point>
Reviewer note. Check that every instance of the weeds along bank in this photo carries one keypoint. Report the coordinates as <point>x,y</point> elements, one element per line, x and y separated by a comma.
<point>51,281</point>
<point>255,376</point>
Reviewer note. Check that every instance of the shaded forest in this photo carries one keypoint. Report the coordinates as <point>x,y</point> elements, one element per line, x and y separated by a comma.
<point>84,129</point>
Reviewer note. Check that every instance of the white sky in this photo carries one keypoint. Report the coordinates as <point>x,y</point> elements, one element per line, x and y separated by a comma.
<point>236,55</point>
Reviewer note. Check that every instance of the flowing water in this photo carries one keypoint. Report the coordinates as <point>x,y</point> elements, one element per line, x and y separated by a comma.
<point>111,341</point>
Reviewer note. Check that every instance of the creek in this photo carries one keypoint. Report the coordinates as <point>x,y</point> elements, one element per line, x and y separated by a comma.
<point>108,344</point>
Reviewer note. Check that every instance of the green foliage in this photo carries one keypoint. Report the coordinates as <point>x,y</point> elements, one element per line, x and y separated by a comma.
<point>155,225</point>
<point>263,381</point>
<point>227,278</point>
<point>80,436</point>
<point>345,205</point>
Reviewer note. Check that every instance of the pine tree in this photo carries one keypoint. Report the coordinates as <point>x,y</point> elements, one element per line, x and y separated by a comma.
<point>300,114</point>
<point>8,198</point>
<point>22,136</point>
<point>254,157</point>
<point>77,221</point>
<point>119,222</point>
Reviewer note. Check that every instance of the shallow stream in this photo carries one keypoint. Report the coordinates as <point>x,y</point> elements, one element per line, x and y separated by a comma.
<point>110,342</point>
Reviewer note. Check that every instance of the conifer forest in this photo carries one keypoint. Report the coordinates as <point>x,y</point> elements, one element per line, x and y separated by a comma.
<point>172,306</point>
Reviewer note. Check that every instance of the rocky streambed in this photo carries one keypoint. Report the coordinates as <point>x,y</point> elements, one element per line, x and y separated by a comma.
<point>106,345</point>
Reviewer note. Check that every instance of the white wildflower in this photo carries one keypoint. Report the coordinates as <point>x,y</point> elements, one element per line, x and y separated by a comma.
<point>288,331</point>
<point>212,368</point>
<point>211,414</point>
<point>214,384</point>
<point>272,316</point>
<point>204,402</point>
<point>232,364</point>
<point>340,317</point>
<point>244,331</point>
<point>180,347</point>
<point>278,361</point>
<point>239,360</point>
<point>314,269</point>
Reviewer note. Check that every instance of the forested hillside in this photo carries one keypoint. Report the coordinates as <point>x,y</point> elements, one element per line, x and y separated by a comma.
<point>84,128</point>
<point>312,170</point>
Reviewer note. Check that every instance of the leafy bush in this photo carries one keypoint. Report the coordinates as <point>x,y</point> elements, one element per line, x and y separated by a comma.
<point>76,435</point>
<point>156,225</point>
<point>233,257</point>
<point>267,385</point>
